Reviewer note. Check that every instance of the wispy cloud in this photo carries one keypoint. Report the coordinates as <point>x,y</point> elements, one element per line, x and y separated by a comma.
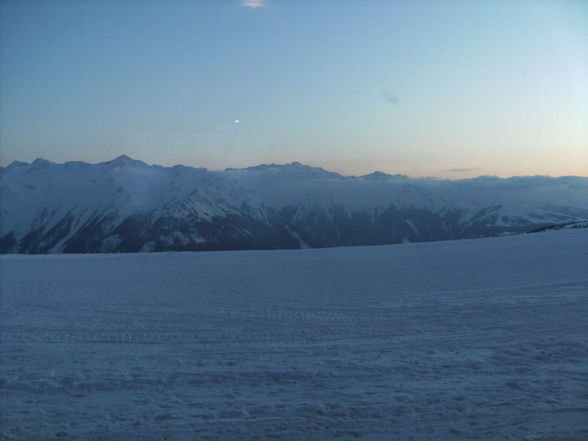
<point>459,170</point>
<point>254,3</point>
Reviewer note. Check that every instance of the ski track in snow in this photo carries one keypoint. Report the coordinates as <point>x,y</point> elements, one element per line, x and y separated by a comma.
<point>465,340</point>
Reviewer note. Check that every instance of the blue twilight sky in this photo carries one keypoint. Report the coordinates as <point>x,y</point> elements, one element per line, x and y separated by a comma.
<point>425,88</point>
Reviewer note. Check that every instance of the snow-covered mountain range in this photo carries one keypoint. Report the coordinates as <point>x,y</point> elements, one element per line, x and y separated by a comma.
<point>126,205</point>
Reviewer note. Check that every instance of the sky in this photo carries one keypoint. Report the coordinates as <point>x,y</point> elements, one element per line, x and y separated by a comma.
<point>451,89</point>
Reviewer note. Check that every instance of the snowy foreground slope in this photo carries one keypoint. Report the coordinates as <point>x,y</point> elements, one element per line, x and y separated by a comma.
<point>466,340</point>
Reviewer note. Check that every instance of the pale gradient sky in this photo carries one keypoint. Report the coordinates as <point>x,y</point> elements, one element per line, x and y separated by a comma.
<point>425,88</point>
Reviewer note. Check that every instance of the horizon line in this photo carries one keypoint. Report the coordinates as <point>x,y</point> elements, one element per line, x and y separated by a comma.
<point>124,156</point>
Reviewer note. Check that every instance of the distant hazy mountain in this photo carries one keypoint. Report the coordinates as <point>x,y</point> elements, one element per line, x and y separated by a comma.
<point>127,205</point>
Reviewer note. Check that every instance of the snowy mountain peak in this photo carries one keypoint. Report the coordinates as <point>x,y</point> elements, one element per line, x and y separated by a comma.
<point>125,161</point>
<point>16,164</point>
<point>42,162</point>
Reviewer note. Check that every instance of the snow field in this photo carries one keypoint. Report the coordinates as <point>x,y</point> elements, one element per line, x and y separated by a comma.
<point>480,339</point>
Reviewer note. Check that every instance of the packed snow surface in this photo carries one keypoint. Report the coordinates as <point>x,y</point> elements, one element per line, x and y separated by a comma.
<point>465,340</point>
